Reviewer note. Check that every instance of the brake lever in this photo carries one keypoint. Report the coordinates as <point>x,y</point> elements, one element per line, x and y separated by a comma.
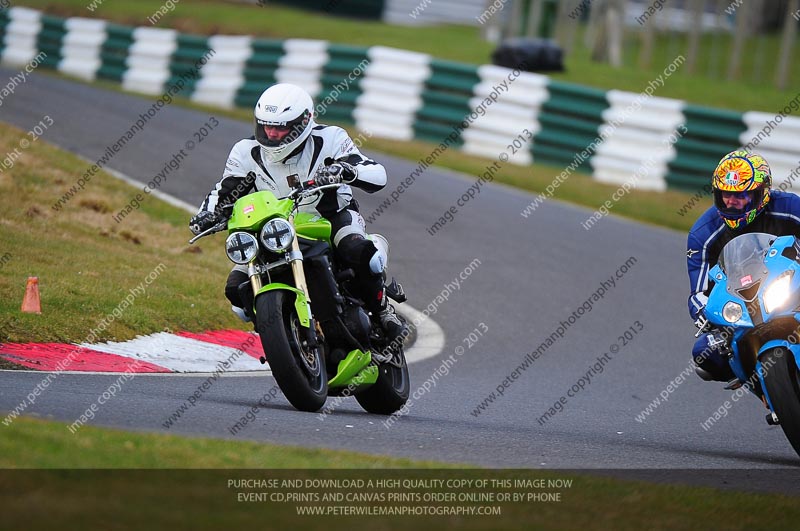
<point>303,192</point>
<point>216,228</point>
<point>703,326</point>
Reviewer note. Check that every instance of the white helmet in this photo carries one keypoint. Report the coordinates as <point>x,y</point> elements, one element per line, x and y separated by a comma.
<point>288,107</point>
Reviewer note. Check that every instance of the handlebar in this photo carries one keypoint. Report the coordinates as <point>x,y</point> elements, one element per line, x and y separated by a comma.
<point>297,193</point>
<point>222,225</point>
<point>302,192</point>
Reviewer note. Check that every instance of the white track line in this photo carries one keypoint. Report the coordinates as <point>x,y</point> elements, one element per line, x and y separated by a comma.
<point>181,354</point>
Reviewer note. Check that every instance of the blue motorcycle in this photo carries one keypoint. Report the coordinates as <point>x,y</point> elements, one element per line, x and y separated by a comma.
<point>756,301</point>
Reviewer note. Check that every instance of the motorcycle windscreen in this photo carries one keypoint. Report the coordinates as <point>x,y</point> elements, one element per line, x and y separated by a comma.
<point>743,262</point>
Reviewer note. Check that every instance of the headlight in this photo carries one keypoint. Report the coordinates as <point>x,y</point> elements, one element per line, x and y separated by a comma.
<point>777,293</point>
<point>277,235</point>
<point>241,247</point>
<point>732,311</point>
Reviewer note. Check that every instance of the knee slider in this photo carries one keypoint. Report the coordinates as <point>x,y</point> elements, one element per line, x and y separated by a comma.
<point>233,289</point>
<point>379,260</point>
<point>707,351</point>
<point>358,252</point>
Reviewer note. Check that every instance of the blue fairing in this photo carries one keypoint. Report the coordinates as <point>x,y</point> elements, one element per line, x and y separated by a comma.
<point>749,268</point>
<point>776,264</point>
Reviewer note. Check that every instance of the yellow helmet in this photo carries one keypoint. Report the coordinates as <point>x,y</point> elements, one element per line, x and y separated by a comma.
<point>744,173</point>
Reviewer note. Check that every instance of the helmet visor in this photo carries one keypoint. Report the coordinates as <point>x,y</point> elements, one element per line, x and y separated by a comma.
<point>275,134</point>
<point>735,204</point>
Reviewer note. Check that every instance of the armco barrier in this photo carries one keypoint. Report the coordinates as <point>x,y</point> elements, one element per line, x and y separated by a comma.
<point>404,95</point>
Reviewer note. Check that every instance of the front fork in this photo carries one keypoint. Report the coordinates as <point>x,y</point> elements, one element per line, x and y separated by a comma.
<point>295,259</point>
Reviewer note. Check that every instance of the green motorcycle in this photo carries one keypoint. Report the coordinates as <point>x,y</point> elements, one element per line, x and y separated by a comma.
<point>310,324</point>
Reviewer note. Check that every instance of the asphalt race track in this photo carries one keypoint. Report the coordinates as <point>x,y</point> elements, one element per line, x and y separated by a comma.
<point>531,274</point>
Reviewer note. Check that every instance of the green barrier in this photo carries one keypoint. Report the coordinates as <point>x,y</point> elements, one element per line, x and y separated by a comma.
<point>183,64</point>
<point>445,100</point>
<point>4,20</point>
<point>341,82</point>
<point>259,71</point>
<point>710,134</point>
<point>570,119</point>
<point>436,133</point>
<point>50,39</point>
<point>367,9</point>
<point>452,77</point>
<point>114,52</point>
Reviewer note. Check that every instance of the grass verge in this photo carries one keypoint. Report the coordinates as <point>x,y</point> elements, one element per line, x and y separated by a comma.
<point>464,44</point>
<point>87,264</point>
<point>207,499</point>
<point>34,443</point>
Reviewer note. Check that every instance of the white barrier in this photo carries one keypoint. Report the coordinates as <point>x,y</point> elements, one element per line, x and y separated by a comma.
<point>392,92</point>
<point>81,48</point>
<point>505,120</point>
<point>302,64</point>
<point>781,148</point>
<point>639,133</point>
<point>420,12</point>
<point>640,147</point>
<point>19,43</point>
<point>149,59</point>
<point>223,74</point>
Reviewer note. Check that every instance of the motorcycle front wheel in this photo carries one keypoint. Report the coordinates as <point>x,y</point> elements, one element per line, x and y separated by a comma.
<point>783,388</point>
<point>298,369</point>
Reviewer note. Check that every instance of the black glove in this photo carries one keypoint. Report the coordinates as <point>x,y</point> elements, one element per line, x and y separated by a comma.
<point>335,173</point>
<point>202,222</point>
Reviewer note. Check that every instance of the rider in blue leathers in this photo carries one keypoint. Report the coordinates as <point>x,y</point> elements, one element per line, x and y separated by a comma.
<point>743,203</point>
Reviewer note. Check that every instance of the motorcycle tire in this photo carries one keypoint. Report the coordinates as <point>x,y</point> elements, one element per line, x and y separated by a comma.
<point>390,392</point>
<point>299,371</point>
<point>783,388</point>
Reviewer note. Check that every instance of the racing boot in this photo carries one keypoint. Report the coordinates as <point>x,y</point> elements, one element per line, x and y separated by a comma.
<point>710,357</point>
<point>393,326</point>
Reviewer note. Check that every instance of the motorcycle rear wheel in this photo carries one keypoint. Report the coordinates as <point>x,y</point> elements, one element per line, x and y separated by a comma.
<point>783,388</point>
<point>390,392</point>
<point>298,370</point>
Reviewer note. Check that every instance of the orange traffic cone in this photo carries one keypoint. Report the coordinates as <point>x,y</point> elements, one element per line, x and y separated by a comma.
<point>30,303</point>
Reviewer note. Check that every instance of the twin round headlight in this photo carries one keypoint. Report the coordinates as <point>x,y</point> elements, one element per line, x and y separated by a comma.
<point>241,247</point>
<point>276,235</point>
